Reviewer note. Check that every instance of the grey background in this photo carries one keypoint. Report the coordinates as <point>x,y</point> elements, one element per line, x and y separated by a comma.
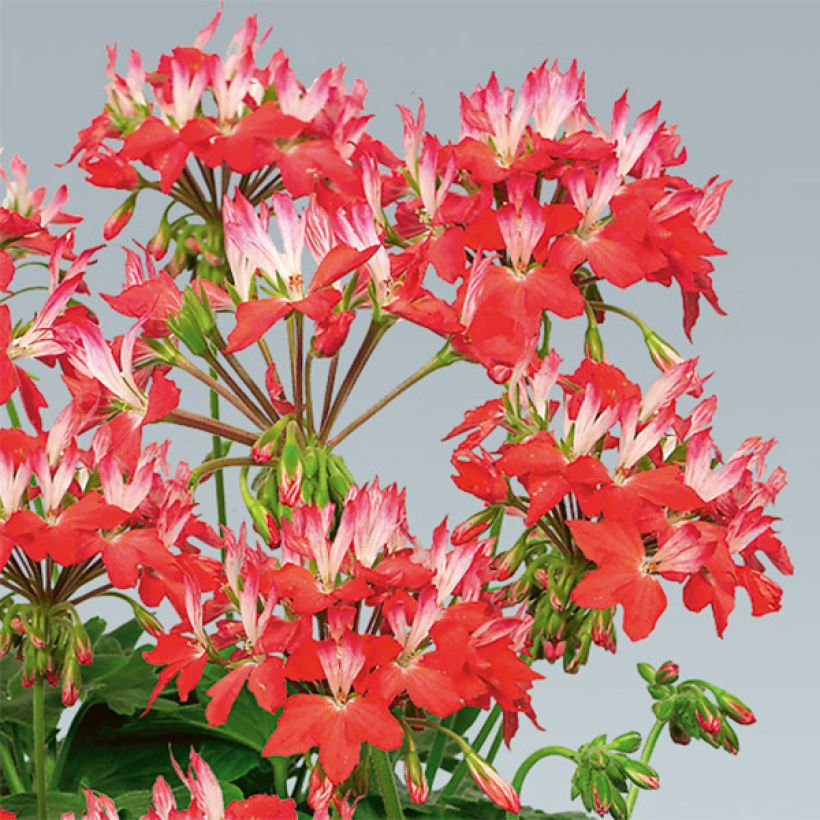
<point>741,80</point>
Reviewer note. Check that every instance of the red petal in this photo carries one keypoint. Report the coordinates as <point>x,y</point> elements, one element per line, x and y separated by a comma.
<point>224,692</point>
<point>608,542</point>
<point>162,398</point>
<point>340,261</point>
<point>644,602</point>
<point>254,319</point>
<point>267,684</point>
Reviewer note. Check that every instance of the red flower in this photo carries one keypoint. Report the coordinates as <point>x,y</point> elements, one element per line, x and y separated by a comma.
<point>624,573</point>
<point>338,724</point>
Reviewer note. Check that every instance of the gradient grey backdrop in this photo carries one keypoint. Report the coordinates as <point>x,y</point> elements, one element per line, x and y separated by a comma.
<point>741,80</point>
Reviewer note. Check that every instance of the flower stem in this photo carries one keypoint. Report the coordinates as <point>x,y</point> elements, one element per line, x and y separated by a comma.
<point>197,422</point>
<point>437,752</point>
<point>371,339</point>
<point>215,465</point>
<point>219,478</point>
<point>280,776</point>
<point>387,783</point>
<point>524,768</point>
<point>246,407</point>
<point>646,754</point>
<point>443,358</point>
<point>39,730</point>
<point>461,770</point>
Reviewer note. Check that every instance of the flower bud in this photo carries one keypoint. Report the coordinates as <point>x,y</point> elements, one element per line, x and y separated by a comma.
<point>473,527</point>
<point>417,784</point>
<point>492,784</point>
<point>81,645</point>
<point>647,672</point>
<point>158,245</point>
<point>601,793</point>
<point>678,734</point>
<point>735,708</point>
<point>70,681</point>
<point>708,718</point>
<point>593,345</point>
<point>667,673</point>
<point>147,621</point>
<point>642,775</point>
<point>120,218</point>
<point>320,790</point>
<point>627,742</point>
<point>662,353</point>
<point>728,739</point>
<point>553,649</point>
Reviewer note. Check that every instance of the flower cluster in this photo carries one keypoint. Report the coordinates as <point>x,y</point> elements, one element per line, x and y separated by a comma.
<point>354,643</point>
<point>355,631</point>
<point>620,489</point>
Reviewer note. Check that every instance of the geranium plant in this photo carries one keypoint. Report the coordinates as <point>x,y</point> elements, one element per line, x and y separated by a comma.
<point>322,659</point>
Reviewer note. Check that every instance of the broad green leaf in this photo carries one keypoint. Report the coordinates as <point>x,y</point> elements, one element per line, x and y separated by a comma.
<point>25,805</point>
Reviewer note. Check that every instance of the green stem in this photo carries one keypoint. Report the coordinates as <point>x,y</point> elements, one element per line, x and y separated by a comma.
<point>621,312</point>
<point>219,478</point>
<point>280,776</point>
<point>66,746</point>
<point>524,768</point>
<point>10,773</point>
<point>39,730</point>
<point>215,465</point>
<point>443,358</point>
<point>437,751</point>
<point>387,783</point>
<point>646,754</point>
<point>460,773</point>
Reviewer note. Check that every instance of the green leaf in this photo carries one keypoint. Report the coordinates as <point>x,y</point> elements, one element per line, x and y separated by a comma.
<point>16,701</point>
<point>113,754</point>
<point>24,805</point>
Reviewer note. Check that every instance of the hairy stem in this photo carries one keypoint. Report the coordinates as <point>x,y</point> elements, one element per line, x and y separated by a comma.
<point>524,768</point>
<point>387,784</point>
<point>646,754</point>
<point>38,726</point>
<point>186,419</point>
<point>441,359</point>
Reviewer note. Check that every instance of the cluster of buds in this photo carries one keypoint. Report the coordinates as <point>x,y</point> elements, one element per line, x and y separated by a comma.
<point>295,469</point>
<point>695,709</point>
<point>50,642</point>
<point>561,630</point>
<point>604,773</point>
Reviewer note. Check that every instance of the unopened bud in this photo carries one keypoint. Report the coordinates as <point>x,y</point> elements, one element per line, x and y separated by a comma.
<point>553,649</point>
<point>735,708</point>
<point>601,793</point>
<point>647,672</point>
<point>472,528</point>
<point>320,790</point>
<point>70,682</point>
<point>708,718</point>
<point>417,784</point>
<point>678,734</point>
<point>148,622</point>
<point>642,775</point>
<point>662,353</point>
<point>81,645</point>
<point>492,784</point>
<point>728,739</point>
<point>120,218</point>
<point>627,742</point>
<point>158,246</point>
<point>667,672</point>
